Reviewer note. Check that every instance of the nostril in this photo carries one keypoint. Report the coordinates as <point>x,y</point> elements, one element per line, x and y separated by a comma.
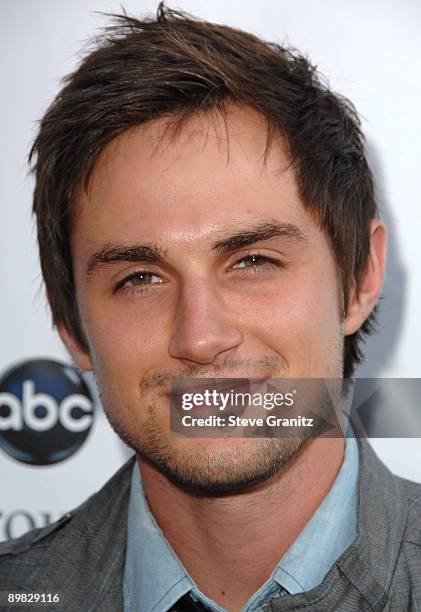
<point>203,348</point>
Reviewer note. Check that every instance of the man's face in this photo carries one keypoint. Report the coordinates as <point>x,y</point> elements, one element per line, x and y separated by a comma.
<point>193,258</point>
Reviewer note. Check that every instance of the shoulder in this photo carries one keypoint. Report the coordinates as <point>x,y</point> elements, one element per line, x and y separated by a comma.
<point>412,492</point>
<point>20,557</point>
<point>405,588</point>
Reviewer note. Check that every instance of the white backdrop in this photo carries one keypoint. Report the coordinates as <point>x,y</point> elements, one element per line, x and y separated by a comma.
<point>369,49</point>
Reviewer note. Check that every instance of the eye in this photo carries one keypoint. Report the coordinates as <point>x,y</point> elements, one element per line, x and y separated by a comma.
<point>256,262</point>
<point>138,281</point>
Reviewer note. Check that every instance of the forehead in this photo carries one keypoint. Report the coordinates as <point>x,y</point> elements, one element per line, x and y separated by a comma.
<point>150,183</point>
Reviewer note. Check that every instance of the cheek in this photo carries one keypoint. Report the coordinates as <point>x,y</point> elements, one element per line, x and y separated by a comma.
<point>124,339</point>
<point>299,321</point>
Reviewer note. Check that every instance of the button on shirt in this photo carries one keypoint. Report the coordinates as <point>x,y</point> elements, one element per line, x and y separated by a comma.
<point>155,579</point>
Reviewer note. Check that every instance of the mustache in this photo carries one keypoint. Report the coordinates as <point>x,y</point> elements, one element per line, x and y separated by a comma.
<point>224,369</point>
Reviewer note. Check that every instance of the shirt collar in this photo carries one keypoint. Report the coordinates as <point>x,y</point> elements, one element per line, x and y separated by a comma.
<point>330,531</point>
<point>153,574</point>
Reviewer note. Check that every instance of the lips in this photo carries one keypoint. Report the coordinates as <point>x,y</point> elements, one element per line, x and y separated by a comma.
<point>186,389</point>
<point>195,385</point>
<point>179,387</point>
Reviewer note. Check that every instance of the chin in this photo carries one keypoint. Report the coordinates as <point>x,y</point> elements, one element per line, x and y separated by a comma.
<point>213,465</point>
<point>203,465</point>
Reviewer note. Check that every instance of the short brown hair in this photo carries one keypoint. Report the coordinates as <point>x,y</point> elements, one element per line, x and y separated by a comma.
<point>175,65</point>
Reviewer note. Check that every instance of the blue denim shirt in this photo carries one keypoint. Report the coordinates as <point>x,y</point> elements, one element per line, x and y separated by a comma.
<point>155,579</point>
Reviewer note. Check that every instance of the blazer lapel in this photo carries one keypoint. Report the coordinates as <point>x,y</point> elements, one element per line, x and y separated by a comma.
<point>85,562</point>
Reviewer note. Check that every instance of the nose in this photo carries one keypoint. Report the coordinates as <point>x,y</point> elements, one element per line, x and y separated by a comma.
<point>203,328</point>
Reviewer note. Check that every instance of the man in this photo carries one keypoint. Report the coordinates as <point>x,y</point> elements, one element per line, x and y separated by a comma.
<point>205,210</point>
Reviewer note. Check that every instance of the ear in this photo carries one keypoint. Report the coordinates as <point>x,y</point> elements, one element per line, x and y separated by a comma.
<point>80,355</point>
<point>364,297</point>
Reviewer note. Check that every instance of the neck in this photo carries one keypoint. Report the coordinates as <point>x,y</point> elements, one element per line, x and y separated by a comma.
<point>230,544</point>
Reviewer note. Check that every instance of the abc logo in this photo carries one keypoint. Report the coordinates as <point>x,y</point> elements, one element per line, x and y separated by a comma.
<point>46,412</point>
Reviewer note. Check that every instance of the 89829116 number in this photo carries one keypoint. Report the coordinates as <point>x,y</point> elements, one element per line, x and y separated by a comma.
<point>15,598</point>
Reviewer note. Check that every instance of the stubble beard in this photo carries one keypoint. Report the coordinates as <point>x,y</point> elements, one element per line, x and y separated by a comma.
<point>214,469</point>
<point>246,463</point>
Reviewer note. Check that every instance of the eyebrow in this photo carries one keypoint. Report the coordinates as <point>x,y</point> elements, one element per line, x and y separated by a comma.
<point>263,231</point>
<point>112,252</point>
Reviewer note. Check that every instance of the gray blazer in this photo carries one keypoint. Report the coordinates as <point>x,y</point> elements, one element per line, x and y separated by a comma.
<point>81,557</point>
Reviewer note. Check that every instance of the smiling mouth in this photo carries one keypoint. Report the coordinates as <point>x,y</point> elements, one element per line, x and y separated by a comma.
<point>220,385</point>
<point>209,391</point>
